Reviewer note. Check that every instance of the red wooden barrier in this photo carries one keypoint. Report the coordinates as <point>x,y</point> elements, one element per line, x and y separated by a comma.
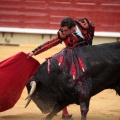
<point>47,14</point>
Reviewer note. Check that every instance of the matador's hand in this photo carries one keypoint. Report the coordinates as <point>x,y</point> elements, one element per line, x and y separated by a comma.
<point>30,54</point>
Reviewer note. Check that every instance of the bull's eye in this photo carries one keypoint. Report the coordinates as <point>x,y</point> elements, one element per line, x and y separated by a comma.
<point>37,95</point>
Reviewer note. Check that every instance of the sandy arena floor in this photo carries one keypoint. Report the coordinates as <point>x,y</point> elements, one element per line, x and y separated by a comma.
<point>103,106</point>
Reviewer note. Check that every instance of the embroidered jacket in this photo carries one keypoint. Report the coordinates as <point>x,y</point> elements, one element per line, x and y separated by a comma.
<point>87,29</point>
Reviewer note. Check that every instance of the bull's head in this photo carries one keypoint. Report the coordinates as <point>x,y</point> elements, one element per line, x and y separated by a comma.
<point>35,95</point>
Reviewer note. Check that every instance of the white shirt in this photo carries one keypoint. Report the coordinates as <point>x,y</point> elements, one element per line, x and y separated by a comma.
<point>78,32</point>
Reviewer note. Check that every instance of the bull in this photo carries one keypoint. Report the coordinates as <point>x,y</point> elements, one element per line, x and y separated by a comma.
<point>51,90</point>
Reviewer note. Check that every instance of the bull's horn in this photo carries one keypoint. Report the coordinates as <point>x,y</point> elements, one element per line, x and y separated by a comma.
<point>29,99</point>
<point>33,87</point>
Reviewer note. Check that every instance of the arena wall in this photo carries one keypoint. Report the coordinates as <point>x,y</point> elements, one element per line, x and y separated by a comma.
<point>36,21</point>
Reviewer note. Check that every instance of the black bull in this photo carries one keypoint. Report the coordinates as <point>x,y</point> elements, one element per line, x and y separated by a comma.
<point>56,89</point>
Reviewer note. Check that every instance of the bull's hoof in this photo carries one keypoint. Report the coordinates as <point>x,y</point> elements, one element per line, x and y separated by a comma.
<point>67,117</point>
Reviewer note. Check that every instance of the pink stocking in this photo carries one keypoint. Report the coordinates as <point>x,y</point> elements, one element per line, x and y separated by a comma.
<point>65,112</point>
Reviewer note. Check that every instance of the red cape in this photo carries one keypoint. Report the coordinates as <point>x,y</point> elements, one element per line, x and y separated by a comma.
<point>14,73</point>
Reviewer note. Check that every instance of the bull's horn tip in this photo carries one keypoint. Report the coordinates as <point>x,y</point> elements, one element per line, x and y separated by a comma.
<point>27,97</point>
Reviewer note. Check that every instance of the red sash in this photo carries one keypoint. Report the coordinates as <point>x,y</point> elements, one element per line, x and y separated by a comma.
<point>14,73</point>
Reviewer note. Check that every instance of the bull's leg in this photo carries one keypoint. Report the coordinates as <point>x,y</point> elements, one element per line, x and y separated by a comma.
<point>84,109</point>
<point>57,108</point>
